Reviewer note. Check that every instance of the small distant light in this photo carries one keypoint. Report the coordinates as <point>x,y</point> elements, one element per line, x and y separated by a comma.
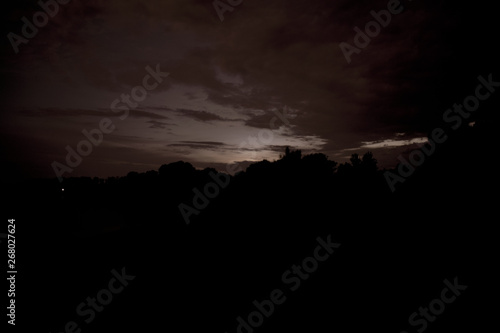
<point>472,123</point>
<point>62,189</point>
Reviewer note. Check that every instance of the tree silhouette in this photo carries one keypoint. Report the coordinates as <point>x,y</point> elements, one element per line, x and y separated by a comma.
<point>369,163</point>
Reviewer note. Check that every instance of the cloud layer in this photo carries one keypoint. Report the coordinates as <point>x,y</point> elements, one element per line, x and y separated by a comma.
<point>228,78</point>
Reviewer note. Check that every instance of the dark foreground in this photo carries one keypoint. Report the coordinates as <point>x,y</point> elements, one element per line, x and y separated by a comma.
<point>366,259</point>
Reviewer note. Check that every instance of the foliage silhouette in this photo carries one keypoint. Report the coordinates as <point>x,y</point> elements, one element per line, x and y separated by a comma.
<point>268,217</point>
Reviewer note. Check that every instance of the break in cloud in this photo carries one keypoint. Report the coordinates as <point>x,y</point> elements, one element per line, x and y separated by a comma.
<point>227,79</point>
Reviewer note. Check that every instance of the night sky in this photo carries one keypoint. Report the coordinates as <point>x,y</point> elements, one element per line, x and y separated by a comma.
<point>228,78</point>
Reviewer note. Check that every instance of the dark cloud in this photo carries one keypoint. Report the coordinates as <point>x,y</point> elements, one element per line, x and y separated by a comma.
<point>157,124</point>
<point>232,74</point>
<point>199,145</point>
<point>203,116</point>
<point>261,121</point>
<point>211,143</point>
<point>277,148</point>
<point>57,112</point>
